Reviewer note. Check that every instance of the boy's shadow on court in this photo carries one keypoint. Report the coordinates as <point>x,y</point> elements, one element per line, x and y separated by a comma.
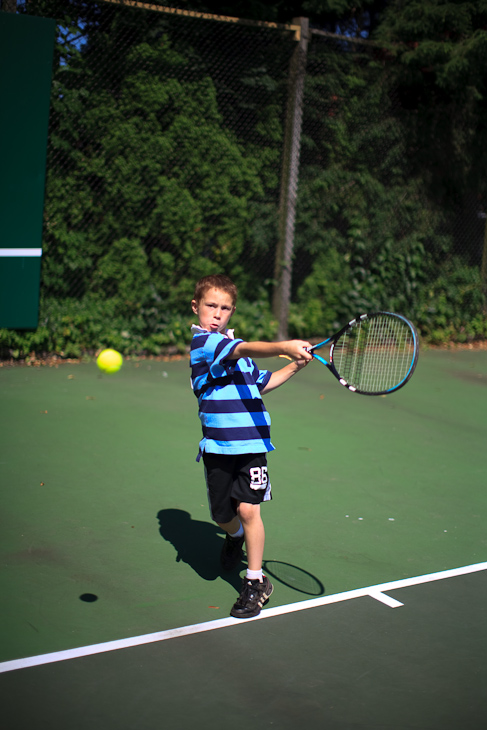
<point>198,544</point>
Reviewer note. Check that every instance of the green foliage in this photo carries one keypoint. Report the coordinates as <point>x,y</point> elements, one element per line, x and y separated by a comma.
<point>322,298</point>
<point>451,308</point>
<point>440,49</point>
<point>254,320</point>
<point>123,274</point>
<point>73,328</point>
<point>152,169</point>
<point>164,166</point>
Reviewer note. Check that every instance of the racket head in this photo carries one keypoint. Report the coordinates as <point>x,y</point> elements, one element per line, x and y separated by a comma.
<point>375,354</point>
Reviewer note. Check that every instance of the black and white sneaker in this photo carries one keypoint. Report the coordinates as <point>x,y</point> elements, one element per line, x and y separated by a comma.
<point>253,596</point>
<point>232,552</point>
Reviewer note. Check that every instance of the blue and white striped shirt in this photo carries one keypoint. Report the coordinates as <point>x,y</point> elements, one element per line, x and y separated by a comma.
<point>232,413</point>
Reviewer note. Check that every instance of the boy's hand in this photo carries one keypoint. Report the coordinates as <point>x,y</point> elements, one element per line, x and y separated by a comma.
<point>297,350</point>
<point>300,364</point>
<point>281,376</point>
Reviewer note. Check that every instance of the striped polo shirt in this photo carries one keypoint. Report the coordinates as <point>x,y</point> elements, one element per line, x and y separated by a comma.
<point>233,416</point>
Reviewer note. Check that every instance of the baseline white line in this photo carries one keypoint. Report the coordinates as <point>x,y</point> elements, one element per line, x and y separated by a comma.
<point>20,252</point>
<point>375,592</point>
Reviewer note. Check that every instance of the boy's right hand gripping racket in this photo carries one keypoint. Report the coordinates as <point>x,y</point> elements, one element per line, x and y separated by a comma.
<point>374,354</point>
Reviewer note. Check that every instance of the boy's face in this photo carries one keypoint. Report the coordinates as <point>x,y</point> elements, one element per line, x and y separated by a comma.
<point>214,310</point>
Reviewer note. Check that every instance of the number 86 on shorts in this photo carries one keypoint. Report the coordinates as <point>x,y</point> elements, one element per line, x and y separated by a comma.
<point>258,477</point>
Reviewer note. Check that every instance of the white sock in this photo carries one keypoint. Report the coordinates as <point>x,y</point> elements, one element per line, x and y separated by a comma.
<point>254,575</point>
<point>239,532</point>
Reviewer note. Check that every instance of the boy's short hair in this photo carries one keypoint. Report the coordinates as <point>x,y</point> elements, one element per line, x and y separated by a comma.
<point>215,281</point>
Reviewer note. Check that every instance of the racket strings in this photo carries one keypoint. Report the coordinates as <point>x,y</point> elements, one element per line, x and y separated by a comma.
<point>375,354</point>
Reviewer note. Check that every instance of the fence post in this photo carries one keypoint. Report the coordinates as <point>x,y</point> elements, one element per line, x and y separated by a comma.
<point>483,269</point>
<point>289,180</point>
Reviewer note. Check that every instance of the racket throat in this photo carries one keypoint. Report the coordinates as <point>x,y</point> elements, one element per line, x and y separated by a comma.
<point>346,385</point>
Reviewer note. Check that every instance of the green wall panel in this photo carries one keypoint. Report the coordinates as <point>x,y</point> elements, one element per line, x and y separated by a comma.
<point>26,55</point>
<point>19,291</point>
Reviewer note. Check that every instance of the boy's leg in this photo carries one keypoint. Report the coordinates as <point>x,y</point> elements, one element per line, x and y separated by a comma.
<point>230,527</point>
<point>254,531</point>
<point>219,470</point>
<point>256,587</point>
<point>232,551</point>
<point>252,487</point>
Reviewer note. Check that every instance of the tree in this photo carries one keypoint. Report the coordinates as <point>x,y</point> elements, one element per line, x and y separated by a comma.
<point>152,166</point>
<point>440,48</point>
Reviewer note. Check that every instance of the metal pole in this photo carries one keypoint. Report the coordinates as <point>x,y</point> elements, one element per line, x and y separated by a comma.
<point>483,269</point>
<point>289,180</point>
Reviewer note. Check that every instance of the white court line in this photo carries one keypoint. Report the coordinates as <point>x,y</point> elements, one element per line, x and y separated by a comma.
<point>20,252</point>
<point>391,602</point>
<point>376,592</point>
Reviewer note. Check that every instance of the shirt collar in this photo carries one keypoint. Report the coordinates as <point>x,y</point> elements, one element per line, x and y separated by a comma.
<point>196,329</point>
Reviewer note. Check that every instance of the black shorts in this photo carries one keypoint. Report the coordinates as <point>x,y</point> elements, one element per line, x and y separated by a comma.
<point>233,479</point>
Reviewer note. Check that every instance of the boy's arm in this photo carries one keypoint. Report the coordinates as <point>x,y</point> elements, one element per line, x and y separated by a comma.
<point>295,349</point>
<point>282,376</point>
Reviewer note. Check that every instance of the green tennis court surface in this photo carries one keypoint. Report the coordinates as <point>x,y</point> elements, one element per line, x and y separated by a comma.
<point>106,536</point>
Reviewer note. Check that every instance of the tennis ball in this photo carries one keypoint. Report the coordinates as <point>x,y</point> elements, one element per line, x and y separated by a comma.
<point>109,361</point>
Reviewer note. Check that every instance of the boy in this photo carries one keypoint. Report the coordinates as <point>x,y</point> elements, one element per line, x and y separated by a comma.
<point>236,429</point>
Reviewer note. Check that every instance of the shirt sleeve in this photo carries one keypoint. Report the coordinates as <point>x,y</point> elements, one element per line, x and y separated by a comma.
<point>263,378</point>
<point>217,350</point>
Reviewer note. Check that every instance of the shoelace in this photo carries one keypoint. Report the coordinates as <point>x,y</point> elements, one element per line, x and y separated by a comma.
<point>248,591</point>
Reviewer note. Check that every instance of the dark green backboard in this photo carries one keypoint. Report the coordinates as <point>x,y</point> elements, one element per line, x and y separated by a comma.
<point>26,54</point>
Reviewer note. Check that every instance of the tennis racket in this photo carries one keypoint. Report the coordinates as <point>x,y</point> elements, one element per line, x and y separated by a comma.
<point>374,354</point>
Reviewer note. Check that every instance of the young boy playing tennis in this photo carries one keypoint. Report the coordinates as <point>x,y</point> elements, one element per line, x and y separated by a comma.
<point>236,429</point>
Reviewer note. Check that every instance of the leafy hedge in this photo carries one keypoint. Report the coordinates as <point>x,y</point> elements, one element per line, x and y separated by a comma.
<point>449,310</point>
<point>72,328</point>
<point>164,166</point>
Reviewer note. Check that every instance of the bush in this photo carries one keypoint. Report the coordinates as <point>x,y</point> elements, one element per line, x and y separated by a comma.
<point>74,328</point>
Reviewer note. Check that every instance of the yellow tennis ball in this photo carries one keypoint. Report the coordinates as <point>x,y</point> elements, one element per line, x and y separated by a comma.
<point>109,361</point>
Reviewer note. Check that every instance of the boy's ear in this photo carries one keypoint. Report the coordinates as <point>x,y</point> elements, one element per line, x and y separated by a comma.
<point>194,306</point>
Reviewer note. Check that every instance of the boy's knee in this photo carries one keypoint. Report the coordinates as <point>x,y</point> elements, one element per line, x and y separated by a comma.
<point>248,512</point>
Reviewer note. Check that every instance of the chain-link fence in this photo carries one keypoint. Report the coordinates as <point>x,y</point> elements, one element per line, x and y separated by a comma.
<point>170,158</point>
<point>175,135</point>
